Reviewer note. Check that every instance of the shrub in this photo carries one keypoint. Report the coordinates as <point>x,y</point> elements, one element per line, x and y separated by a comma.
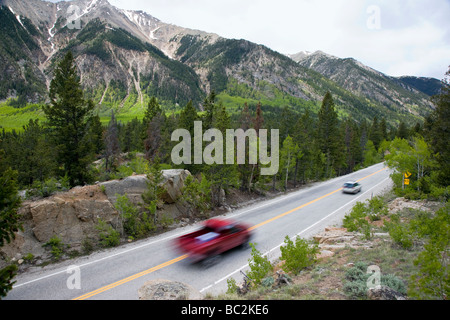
<point>298,256</point>
<point>400,233</point>
<point>268,281</point>
<point>48,187</point>
<point>87,246</point>
<point>109,237</point>
<point>7,275</point>
<point>377,208</point>
<point>433,279</point>
<point>139,165</point>
<point>355,289</point>
<point>196,195</point>
<point>57,247</point>
<point>357,272</point>
<point>259,266</point>
<point>231,286</point>
<point>356,218</point>
<point>356,285</point>
<point>134,223</point>
<point>394,283</point>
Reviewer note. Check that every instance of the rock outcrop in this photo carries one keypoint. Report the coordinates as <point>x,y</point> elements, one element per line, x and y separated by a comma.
<point>399,204</point>
<point>173,184</point>
<point>384,293</point>
<point>71,216</point>
<point>135,186</point>
<point>335,238</point>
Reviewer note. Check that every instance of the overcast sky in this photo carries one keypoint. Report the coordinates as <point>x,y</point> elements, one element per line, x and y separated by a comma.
<point>396,37</point>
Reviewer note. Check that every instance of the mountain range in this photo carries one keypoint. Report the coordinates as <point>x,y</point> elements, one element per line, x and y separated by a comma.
<point>124,57</point>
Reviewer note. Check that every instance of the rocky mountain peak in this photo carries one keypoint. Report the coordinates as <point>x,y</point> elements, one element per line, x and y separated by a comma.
<point>125,56</point>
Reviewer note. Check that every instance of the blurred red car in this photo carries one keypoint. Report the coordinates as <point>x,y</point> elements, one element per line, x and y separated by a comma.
<point>217,236</point>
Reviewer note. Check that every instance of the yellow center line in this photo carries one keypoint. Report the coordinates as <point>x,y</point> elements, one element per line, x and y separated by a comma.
<point>307,204</point>
<point>133,277</point>
<point>168,263</point>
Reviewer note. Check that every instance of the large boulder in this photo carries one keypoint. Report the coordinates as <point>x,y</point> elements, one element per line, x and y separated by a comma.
<point>173,184</point>
<point>333,235</point>
<point>135,186</point>
<point>384,293</point>
<point>71,216</point>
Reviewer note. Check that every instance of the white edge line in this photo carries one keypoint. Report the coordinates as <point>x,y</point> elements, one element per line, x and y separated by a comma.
<point>303,231</point>
<point>269,202</point>
<point>99,260</point>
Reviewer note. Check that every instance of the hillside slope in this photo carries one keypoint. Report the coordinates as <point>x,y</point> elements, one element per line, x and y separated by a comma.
<point>124,57</point>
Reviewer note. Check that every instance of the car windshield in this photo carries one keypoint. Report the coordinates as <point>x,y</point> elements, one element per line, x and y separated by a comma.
<point>349,185</point>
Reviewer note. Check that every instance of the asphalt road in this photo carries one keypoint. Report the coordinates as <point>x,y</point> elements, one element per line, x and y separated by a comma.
<point>117,274</point>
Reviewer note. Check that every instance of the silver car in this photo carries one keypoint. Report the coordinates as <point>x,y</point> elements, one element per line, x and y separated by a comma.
<point>351,187</point>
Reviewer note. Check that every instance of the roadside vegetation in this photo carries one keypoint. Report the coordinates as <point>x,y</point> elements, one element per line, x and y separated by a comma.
<point>71,147</point>
<point>416,269</point>
<point>412,261</point>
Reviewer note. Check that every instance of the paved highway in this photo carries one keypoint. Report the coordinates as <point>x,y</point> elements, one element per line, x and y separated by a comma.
<point>117,274</point>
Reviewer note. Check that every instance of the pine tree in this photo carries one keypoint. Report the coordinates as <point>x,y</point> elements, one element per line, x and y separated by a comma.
<point>259,118</point>
<point>304,135</point>
<point>328,134</point>
<point>153,109</point>
<point>209,106</point>
<point>437,131</point>
<point>154,142</point>
<point>131,137</point>
<point>96,134</point>
<point>402,132</point>
<point>353,152</point>
<point>221,176</point>
<point>258,124</point>
<point>375,133</point>
<point>112,147</point>
<point>245,170</point>
<point>187,118</point>
<point>152,196</point>
<point>68,115</point>
<point>186,121</point>
<point>10,223</point>
<point>10,202</point>
<point>383,129</point>
<point>34,158</point>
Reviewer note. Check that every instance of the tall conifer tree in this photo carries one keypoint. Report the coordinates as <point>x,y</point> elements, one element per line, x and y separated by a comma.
<point>328,133</point>
<point>68,115</point>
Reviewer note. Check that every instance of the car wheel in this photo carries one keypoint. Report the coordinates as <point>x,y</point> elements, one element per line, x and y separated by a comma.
<point>211,261</point>
<point>246,244</point>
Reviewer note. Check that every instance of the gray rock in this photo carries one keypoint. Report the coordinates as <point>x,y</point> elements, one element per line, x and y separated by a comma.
<point>135,186</point>
<point>71,216</point>
<point>167,290</point>
<point>384,293</point>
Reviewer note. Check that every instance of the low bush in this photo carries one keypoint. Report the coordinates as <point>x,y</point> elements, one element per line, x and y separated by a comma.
<point>109,237</point>
<point>357,219</point>
<point>259,266</point>
<point>357,279</point>
<point>298,255</point>
<point>57,247</point>
<point>432,281</point>
<point>134,223</point>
